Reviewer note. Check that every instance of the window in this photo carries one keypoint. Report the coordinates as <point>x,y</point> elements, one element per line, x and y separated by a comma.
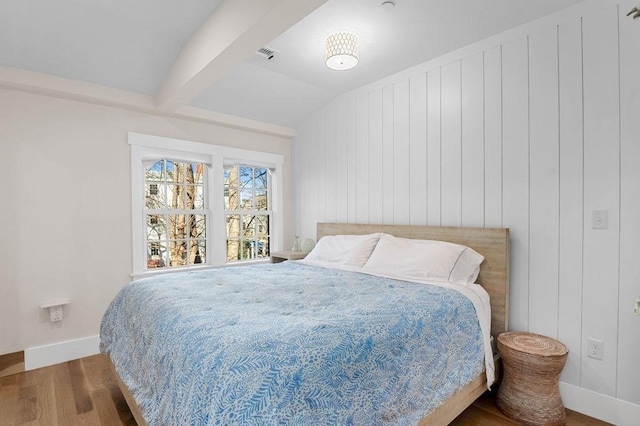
<point>196,205</point>
<point>247,210</point>
<point>176,215</point>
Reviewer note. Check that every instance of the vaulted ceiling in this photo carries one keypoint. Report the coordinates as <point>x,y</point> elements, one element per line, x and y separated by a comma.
<point>202,52</point>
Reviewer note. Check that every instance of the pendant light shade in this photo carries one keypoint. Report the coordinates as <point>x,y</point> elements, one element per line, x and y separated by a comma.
<point>342,51</point>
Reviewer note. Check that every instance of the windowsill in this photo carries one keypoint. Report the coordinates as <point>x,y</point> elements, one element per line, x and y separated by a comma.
<point>151,273</point>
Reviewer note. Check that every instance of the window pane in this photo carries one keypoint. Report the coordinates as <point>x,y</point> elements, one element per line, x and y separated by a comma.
<point>261,199</point>
<point>197,251</point>
<point>179,172</point>
<point>156,227</point>
<point>177,226</point>
<point>233,226</point>
<point>233,250</point>
<point>175,195</point>
<point>249,249</point>
<point>171,172</point>
<point>155,173</point>
<point>246,202</point>
<point>156,255</point>
<point>231,176</point>
<point>198,203</point>
<point>197,223</point>
<point>263,248</point>
<point>248,226</point>
<point>231,199</point>
<point>262,225</point>
<point>246,177</point>
<point>198,171</point>
<point>178,253</point>
<point>261,178</point>
<point>154,195</point>
<point>190,193</point>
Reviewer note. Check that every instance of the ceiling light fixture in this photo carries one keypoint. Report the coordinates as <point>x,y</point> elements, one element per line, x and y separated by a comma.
<point>342,51</point>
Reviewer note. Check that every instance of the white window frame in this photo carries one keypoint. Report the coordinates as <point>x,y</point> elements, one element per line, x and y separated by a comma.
<point>148,147</point>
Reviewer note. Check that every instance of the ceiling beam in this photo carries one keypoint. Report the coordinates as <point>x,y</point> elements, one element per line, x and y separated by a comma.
<point>234,32</point>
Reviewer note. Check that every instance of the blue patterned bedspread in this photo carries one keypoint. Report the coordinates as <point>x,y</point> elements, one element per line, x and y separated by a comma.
<point>290,344</point>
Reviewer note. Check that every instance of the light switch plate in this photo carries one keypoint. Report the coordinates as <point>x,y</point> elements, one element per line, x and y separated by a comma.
<point>600,219</point>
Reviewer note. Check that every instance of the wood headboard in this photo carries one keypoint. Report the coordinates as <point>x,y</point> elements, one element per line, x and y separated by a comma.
<point>492,243</point>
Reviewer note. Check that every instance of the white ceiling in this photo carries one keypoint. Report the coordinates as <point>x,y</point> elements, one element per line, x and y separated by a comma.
<point>132,45</point>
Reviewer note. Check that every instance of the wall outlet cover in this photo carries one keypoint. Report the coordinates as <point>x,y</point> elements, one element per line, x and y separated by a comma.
<point>595,348</point>
<point>56,313</point>
<point>600,219</point>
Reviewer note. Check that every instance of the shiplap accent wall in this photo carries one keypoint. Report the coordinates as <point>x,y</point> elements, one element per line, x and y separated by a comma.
<point>532,133</point>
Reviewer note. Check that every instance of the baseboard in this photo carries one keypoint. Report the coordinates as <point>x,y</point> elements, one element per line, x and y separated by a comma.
<point>603,407</point>
<point>12,363</point>
<point>43,356</point>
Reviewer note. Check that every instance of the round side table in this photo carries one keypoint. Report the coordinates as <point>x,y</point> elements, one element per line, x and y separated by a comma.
<point>531,371</point>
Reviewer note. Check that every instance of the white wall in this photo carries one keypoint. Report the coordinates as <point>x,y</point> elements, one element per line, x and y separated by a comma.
<point>65,221</point>
<point>531,130</point>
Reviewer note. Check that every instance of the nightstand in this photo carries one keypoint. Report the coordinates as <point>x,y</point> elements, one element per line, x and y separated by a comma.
<point>281,256</point>
<point>531,371</point>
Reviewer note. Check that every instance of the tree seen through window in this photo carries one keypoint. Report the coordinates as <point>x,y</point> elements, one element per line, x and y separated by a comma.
<point>175,214</point>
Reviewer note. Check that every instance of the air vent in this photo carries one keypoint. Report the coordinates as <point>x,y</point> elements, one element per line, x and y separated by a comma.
<point>267,53</point>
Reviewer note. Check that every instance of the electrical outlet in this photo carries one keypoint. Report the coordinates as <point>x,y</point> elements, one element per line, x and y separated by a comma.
<point>595,348</point>
<point>55,309</point>
<point>56,313</point>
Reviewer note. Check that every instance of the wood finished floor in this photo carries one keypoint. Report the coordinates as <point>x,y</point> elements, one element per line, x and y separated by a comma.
<point>84,392</point>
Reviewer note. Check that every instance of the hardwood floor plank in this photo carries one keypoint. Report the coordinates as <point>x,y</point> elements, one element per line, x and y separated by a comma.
<point>85,392</point>
<point>487,402</point>
<point>107,398</point>
<point>124,413</point>
<point>476,416</point>
<point>11,380</point>
<point>107,410</point>
<point>579,419</point>
<point>27,405</point>
<point>486,410</point>
<point>99,376</point>
<point>64,399</point>
<point>9,394</point>
<point>81,395</point>
<point>91,418</point>
<point>47,410</point>
<point>97,370</point>
<point>12,363</point>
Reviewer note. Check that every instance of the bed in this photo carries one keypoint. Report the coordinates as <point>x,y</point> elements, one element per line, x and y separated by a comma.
<point>308,368</point>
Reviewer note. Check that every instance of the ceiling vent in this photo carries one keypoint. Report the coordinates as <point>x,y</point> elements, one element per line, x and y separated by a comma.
<point>267,53</point>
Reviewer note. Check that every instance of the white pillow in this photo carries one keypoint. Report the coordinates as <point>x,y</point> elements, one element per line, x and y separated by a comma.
<point>425,260</point>
<point>351,250</point>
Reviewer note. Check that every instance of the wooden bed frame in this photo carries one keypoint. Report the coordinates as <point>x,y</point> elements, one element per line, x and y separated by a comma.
<point>492,243</point>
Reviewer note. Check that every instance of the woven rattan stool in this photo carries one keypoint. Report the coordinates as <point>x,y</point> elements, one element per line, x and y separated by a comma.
<point>529,390</point>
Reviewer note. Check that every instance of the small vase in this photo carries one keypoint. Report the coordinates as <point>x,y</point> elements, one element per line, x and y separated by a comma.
<point>296,244</point>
